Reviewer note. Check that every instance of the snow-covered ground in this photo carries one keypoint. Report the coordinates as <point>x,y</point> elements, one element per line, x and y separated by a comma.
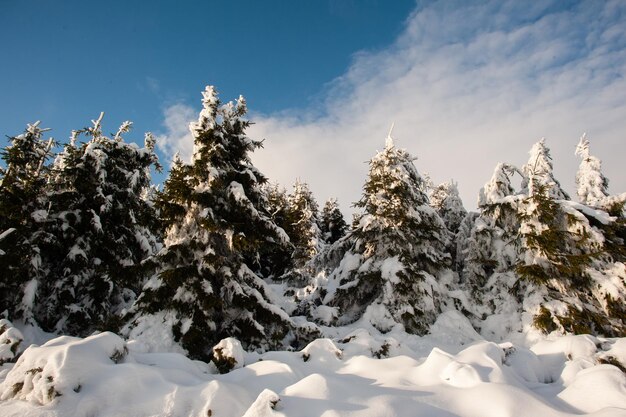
<point>452,372</point>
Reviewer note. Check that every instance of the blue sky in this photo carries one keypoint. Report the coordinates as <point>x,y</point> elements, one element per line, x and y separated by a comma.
<point>65,61</point>
<point>468,84</point>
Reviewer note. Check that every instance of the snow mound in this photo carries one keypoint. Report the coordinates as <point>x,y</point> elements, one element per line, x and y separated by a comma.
<point>461,375</point>
<point>264,405</point>
<point>362,342</point>
<point>597,388</point>
<point>314,386</point>
<point>10,341</point>
<point>324,314</point>
<point>322,351</point>
<point>525,363</point>
<point>58,367</point>
<point>103,376</point>
<point>452,327</point>
<point>562,358</point>
<point>228,354</point>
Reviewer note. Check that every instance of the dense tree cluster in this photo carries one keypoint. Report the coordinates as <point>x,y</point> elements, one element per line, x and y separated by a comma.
<point>88,243</point>
<point>82,226</point>
<point>533,252</point>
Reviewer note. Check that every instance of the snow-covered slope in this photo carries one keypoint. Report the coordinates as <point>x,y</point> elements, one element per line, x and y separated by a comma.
<point>360,372</point>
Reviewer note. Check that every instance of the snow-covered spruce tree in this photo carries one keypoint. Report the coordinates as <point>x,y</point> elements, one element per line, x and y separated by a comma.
<point>303,224</point>
<point>462,240</point>
<point>206,287</point>
<point>555,244</point>
<point>97,230</point>
<point>492,238</point>
<point>21,199</point>
<point>540,167</point>
<point>487,249</point>
<point>277,202</point>
<point>446,200</point>
<point>563,255</point>
<point>276,260</point>
<point>396,250</point>
<point>574,252</point>
<point>533,259</point>
<point>591,185</point>
<point>592,189</point>
<point>332,223</point>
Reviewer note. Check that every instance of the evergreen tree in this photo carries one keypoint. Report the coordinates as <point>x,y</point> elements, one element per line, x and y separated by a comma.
<point>552,248</point>
<point>487,247</point>
<point>303,224</point>
<point>492,245</point>
<point>98,229</point>
<point>499,186</point>
<point>591,185</point>
<point>566,251</point>
<point>21,203</point>
<point>592,189</point>
<point>445,199</point>
<point>533,253</point>
<point>552,237</point>
<point>396,249</point>
<point>277,203</point>
<point>276,260</point>
<point>563,256</point>
<point>566,255</point>
<point>206,288</point>
<point>333,225</point>
<point>540,167</point>
<point>462,240</point>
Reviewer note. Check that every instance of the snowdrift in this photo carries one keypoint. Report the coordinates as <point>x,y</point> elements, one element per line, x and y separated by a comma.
<point>360,373</point>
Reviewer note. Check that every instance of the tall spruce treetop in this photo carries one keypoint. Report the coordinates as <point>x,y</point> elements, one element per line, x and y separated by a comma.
<point>539,167</point>
<point>591,185</point>
<point>25,157</point>
<point>399,242</point>
<point>498,200</point>
<point>498,187</point>
<point>393,186</point>
<point>206,287</point>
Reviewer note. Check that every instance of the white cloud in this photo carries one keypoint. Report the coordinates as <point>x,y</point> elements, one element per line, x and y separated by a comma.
<point>467,86</point>
<point>177,136</point>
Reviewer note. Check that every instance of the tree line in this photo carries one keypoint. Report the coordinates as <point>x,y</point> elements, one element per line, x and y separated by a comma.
<point>88,243</point>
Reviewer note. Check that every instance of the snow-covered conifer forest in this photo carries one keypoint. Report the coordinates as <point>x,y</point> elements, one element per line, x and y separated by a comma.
<point>222,293</point>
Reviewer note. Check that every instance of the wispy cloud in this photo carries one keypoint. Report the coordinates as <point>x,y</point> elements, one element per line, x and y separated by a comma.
<point>467,85</point>
<point>177,136</point>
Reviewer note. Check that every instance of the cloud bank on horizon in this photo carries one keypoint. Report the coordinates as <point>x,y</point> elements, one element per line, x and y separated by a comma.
<point>467,86</point>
